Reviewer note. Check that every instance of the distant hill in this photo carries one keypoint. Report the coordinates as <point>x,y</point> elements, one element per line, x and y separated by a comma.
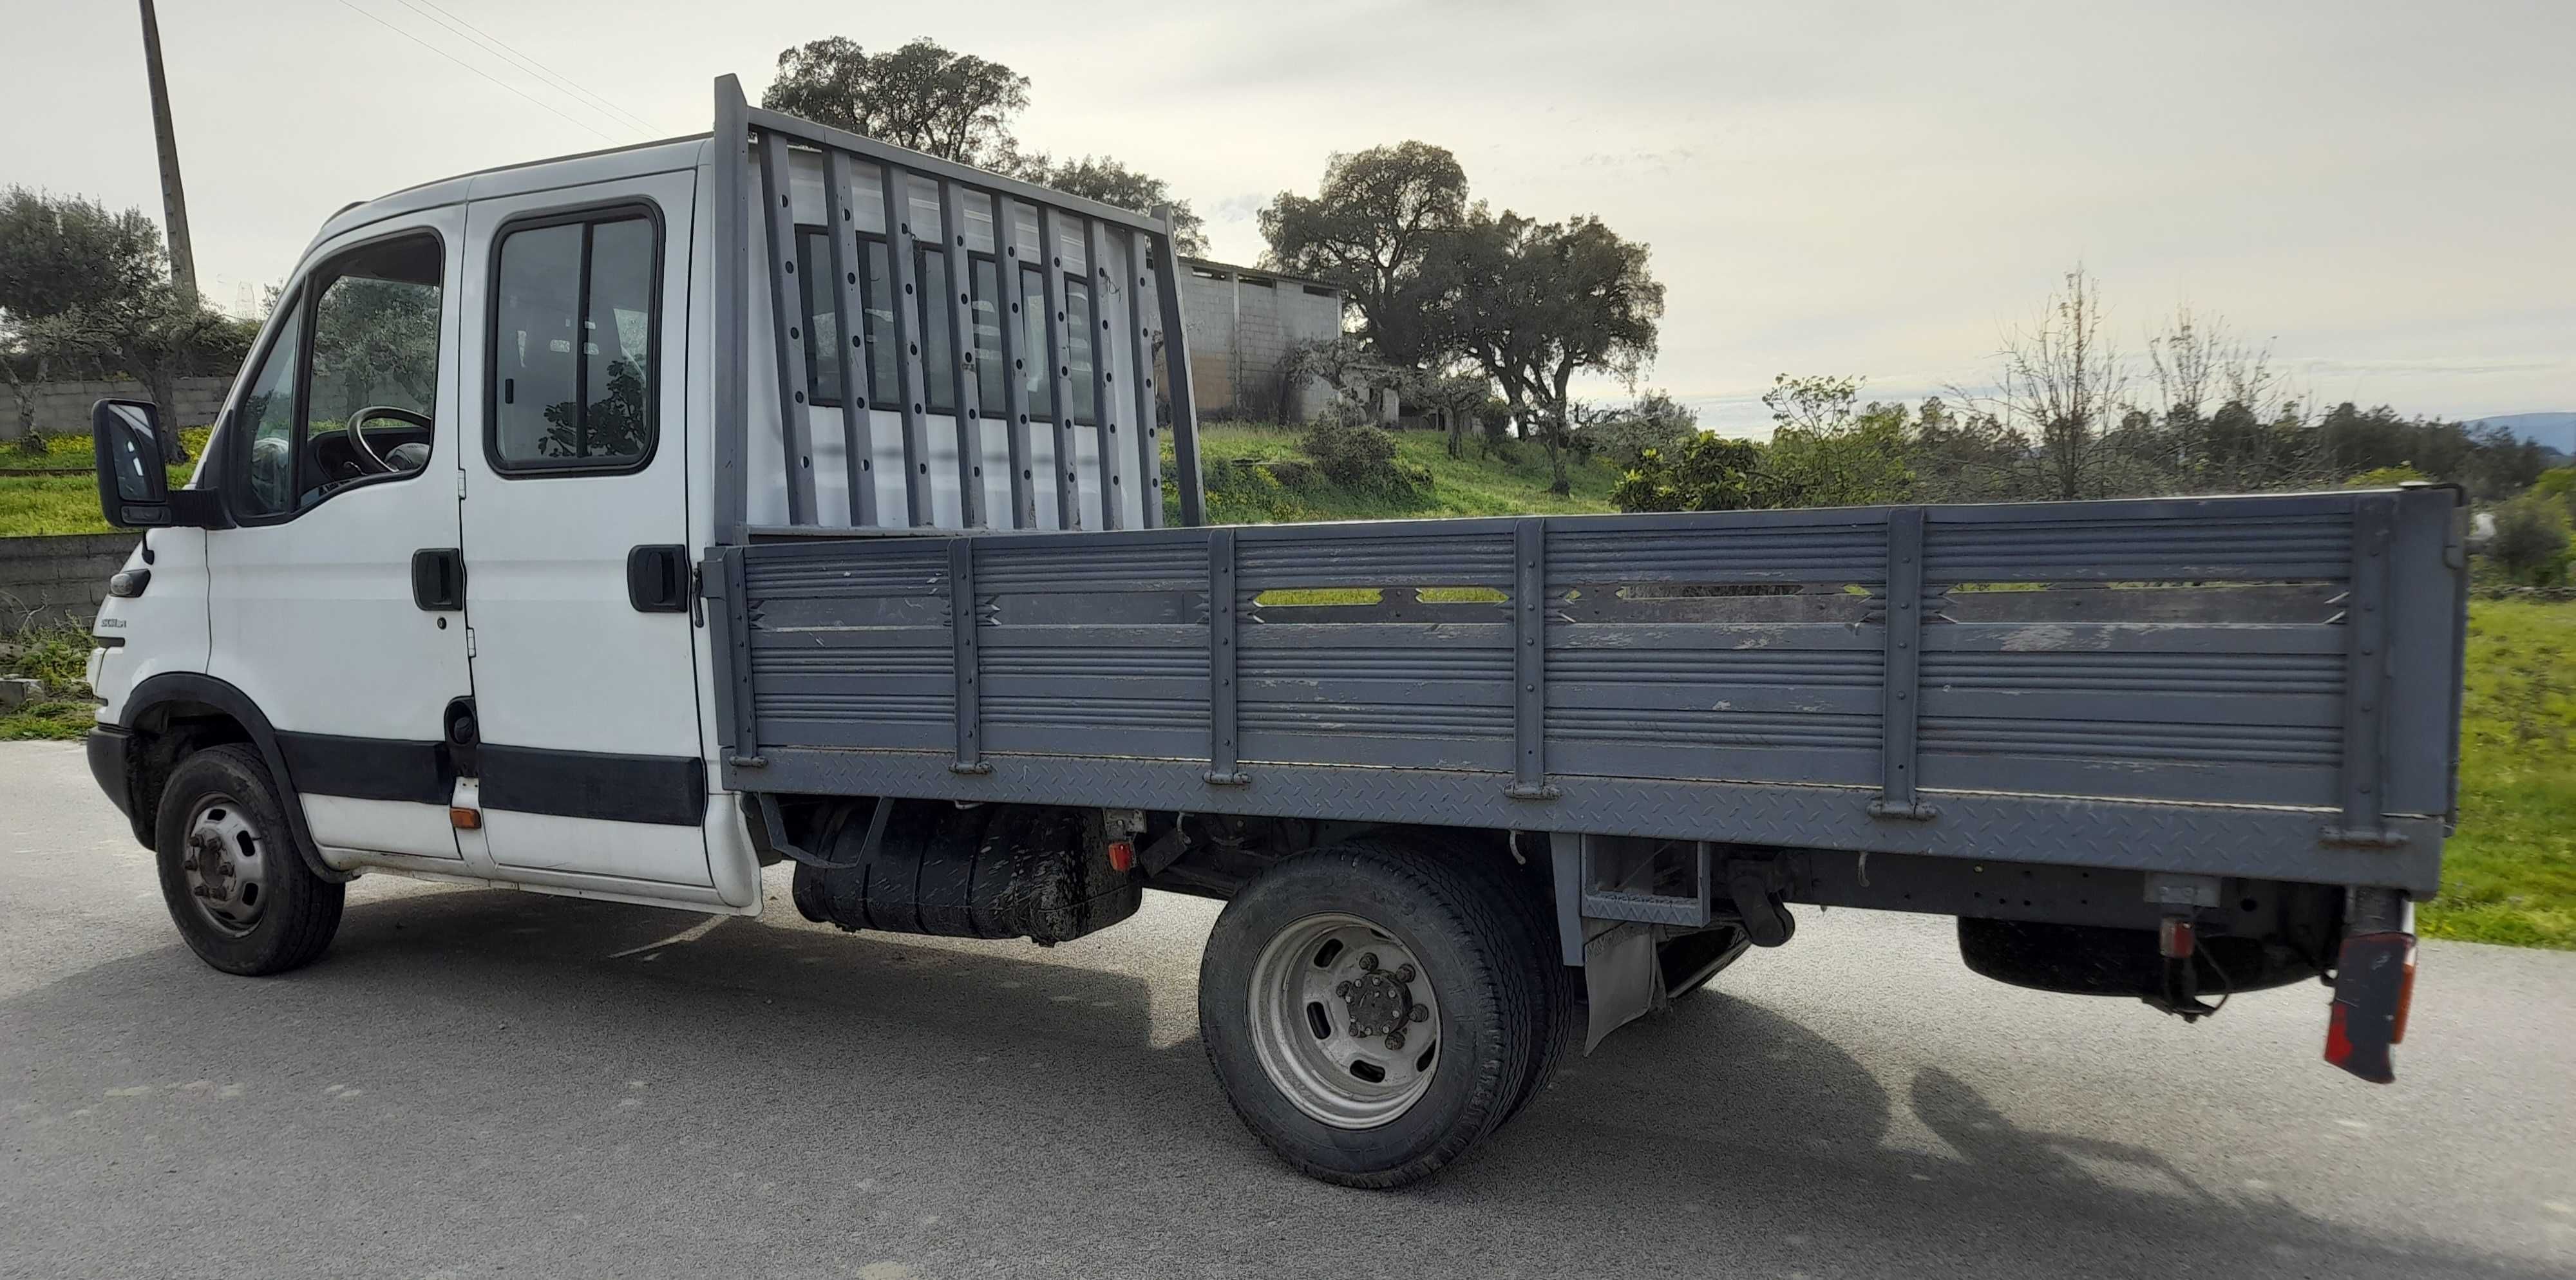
<point>2548,430</point>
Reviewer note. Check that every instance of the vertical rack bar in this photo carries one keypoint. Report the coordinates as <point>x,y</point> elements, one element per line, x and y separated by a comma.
<point>958,313</point>
<point>1104,401</point>
<point>1223,767</point>
<point>1900,668</point>
<point>728,153</point>
<point>2365,680</point>
<point>962,621</point>
<point>787,328</point>
<point>1176,379</point>
<point>743,751</point>
<point>1140,382</point>
<point>903,301</point>
<point>840,213</point>
<point>1015,361</point>
<point>1068,478</point>
<point>1529,662</point>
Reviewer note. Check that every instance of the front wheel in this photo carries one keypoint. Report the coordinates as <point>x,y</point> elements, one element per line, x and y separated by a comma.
<point>1373,1013</point>
<point>236,884</point>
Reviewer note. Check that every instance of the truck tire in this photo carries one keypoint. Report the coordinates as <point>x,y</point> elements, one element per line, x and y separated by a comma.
<point>1373,1014</point>
<point>236,884</point>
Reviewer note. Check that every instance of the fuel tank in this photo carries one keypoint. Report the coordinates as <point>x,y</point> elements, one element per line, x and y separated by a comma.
<point>985,871</point>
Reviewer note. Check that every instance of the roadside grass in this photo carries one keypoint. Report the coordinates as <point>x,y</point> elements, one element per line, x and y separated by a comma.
<point>2509,875</point>
<point>33,503</point>
<point>1476,485</point>
<point>57,658</point>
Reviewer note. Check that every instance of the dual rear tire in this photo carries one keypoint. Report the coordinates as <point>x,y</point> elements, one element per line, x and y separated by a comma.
<point>1374,1011</point>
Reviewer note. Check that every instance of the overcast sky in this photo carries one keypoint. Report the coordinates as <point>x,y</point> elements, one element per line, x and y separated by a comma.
<point>2386,189</point>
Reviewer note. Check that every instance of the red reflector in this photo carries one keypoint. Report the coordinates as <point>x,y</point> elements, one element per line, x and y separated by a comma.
<point>1122,856</point>
<point>464,819</point>
<point>2176,940</point>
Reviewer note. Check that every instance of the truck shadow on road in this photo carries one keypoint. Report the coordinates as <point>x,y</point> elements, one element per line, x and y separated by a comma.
<point>788,1090</point>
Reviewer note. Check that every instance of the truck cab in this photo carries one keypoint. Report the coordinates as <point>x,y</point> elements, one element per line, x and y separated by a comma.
<point>484,380</point>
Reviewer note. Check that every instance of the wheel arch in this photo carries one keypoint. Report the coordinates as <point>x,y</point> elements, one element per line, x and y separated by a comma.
<point>178,713</point>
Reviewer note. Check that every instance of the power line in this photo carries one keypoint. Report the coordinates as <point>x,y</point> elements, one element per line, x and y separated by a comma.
<point>471,67</point>
<point>497,45</point>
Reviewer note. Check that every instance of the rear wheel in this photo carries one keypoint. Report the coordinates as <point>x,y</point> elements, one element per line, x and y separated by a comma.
<point>1373,1013</point>
<point>236,885</point>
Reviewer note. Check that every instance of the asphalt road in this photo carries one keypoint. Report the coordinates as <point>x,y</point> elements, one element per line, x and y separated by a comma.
<point>478,1083</point>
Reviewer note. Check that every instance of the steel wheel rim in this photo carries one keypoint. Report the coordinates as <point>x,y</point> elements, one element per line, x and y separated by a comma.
<point>224,860</point>
<point>1336,1001</point>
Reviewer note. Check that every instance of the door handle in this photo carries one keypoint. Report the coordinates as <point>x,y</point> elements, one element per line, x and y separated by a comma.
<point>438,579</point>
<point>657,579</point>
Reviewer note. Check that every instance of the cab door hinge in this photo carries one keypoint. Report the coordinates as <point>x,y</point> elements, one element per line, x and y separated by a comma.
<point>469,642</point>
<point>460,484</point>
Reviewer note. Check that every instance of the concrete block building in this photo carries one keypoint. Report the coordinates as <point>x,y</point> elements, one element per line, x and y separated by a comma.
<point>1242,322</point>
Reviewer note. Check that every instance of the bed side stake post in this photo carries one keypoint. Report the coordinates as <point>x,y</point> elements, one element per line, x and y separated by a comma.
<point>1903,664</point>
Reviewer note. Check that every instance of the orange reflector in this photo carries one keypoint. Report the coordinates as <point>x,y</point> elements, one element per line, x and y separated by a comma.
<point>1122,856</point>
<point>464,819</point>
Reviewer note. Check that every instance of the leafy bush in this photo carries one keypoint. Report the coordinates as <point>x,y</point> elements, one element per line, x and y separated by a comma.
<point>2530,542</point>
<point>1708,473</point>
<point>1356,454</point>
<point>1242,491</point>
<point>1292,473</point>
<point>2386,477</point>
<point>1622,437</point>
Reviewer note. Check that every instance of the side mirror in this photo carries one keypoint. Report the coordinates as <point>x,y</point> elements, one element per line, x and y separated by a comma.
<point>133,456</point>
<point>133,474</point>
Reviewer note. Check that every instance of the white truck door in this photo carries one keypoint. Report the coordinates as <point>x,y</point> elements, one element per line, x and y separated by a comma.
<point>576,520</point>
<point>311,609</point>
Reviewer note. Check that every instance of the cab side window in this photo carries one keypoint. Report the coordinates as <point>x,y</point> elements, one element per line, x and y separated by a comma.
<point>348,389</point>
<point>574,344</point>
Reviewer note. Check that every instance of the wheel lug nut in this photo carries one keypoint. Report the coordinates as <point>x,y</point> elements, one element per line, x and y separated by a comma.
<point>1368,962</point>
<point>1404,973</point>
<point>1419,1013</point>
<point>1395,1039</point>
<point>1344,991</point>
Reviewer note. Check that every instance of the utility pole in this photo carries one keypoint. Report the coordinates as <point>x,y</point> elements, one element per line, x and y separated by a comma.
<point>174,199</point>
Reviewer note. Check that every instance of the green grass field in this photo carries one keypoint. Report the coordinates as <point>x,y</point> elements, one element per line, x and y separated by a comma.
<point>1475,485</point>
<point>32,503</point>
<point>2510,873</point>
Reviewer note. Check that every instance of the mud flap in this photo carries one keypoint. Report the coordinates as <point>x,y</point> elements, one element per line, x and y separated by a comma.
<point>2374,982</point>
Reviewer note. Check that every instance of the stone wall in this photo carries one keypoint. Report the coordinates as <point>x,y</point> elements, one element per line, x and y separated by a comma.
<point>49,580</point>
<point>62,408</point>
<point>1241,324</point>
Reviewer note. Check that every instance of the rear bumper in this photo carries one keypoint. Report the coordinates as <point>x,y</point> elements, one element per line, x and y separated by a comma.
<point>109,751</point>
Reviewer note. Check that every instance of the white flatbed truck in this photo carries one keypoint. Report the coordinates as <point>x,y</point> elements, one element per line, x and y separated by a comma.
<point>618,525</point>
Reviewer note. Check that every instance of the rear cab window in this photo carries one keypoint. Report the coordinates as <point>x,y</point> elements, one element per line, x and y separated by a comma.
<point>575,343</point>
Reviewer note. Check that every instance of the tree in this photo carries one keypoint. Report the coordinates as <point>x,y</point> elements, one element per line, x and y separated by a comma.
<point>1707,473</point>
<point>2530,539</point>
<point>1854,459</point>
<point>1966,456</point>
<point>924,96</point>
<point>1373,227</point>
<point>60,256</point>
<point>1110,182</point>
<point>2061,384</point>
<point>1655,421</point>
<point>1536,303</point>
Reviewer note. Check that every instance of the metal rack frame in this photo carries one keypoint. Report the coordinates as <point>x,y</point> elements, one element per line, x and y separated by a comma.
<point>768,138</point>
